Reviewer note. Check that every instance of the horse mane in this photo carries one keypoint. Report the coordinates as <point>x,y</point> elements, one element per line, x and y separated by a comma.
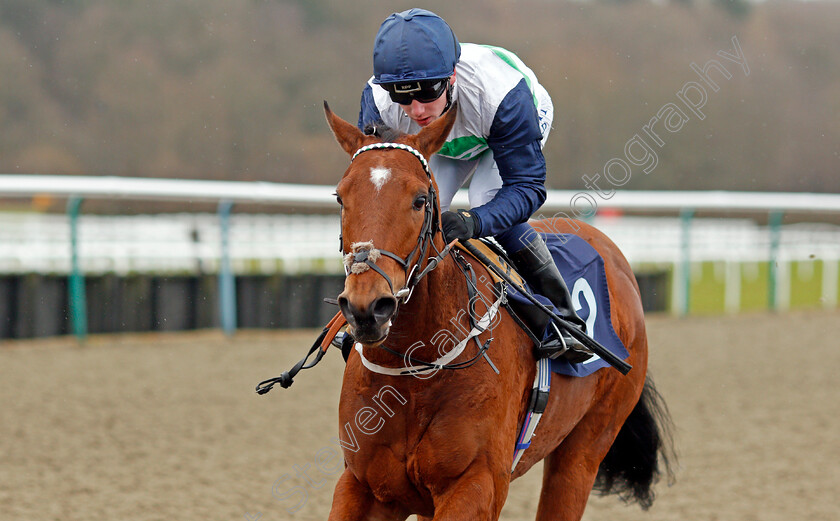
<point>383,132</point>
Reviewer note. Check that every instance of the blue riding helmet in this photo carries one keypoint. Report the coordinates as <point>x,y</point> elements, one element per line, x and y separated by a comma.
<point>414,45</point>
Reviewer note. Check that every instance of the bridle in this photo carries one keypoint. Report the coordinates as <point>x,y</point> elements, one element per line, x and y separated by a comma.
<point>365,254</point>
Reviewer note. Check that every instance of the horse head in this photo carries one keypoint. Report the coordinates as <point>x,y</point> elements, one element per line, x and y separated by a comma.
<point>389,217</point>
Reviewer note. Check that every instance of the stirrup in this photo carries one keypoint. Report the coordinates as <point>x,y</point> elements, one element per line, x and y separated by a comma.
<point>563,344</point>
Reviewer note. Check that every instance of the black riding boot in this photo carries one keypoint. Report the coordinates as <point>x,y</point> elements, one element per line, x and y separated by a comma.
<point>535,264</point>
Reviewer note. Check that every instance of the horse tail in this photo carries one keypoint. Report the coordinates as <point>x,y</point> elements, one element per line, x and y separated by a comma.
<point>641,453</point>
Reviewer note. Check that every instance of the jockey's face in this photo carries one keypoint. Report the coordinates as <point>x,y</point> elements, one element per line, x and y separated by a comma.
<point>425,113</point>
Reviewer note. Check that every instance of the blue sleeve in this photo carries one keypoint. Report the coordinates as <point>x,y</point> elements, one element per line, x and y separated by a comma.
<point>368,112</point>
<point>515,141</point>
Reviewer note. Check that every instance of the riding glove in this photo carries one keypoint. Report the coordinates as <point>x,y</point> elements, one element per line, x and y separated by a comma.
<point>460,225</point>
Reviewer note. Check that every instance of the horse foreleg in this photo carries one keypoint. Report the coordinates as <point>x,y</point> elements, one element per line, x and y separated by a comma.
<point>352,501</point>
<point>475,497</point>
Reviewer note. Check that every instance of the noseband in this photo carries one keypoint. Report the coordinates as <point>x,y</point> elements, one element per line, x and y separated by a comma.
<point>363,255</point>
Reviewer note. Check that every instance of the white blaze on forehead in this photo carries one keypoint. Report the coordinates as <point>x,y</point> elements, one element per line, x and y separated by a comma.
<point>378,176</point>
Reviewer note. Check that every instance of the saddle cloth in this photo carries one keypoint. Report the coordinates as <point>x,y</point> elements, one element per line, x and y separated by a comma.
<point>583,270</point>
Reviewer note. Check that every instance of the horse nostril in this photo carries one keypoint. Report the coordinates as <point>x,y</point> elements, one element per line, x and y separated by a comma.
<point>347,309</point>
<point>384,308</point>
<point>376,315</point>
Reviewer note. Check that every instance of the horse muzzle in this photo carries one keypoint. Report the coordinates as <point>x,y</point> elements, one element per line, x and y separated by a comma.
<point>369,323</point>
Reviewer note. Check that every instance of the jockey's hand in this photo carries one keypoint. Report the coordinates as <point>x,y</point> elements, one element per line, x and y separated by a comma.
<point>458,225</point>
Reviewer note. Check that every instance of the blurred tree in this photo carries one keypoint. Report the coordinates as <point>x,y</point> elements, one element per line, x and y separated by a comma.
<point>737,8</point>
<point>215,89</point>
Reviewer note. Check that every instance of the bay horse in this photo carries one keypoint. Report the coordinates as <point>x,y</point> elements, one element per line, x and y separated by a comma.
<point>441,446</point>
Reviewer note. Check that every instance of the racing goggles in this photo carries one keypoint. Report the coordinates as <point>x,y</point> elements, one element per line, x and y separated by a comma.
<point>424,91</point>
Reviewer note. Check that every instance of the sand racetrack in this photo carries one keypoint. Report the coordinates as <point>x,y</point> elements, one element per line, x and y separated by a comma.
<point>167,427</point>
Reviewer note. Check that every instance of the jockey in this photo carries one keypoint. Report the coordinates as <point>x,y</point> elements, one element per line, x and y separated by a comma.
<point>504,117</point>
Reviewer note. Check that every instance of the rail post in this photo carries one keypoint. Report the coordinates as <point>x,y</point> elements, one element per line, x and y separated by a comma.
<point>227,283</point>
<point>76,297</point>
<point>775,229</point>
<point>686,216</point>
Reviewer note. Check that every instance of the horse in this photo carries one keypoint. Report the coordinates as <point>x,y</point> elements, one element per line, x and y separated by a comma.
<point>440,444</point>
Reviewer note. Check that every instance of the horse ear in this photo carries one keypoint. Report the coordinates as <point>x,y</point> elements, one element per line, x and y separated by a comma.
<point>347,135</point>
<point>433,136</point>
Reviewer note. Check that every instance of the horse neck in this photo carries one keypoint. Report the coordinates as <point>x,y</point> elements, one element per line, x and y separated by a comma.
<point>438,306</point>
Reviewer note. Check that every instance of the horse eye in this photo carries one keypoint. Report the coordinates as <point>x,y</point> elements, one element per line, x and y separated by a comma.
<point>420,202</point>
<point>338,199</point>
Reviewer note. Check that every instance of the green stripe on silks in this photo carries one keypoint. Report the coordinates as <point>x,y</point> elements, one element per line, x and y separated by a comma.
<point>464,148</point>
<point>506,57</point>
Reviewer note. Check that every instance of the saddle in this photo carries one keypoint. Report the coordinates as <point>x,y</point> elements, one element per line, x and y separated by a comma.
<point>530,318</point>
<point>496,255</point>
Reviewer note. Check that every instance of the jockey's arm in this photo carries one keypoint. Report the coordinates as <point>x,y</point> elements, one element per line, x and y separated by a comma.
<point>515,143</point>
